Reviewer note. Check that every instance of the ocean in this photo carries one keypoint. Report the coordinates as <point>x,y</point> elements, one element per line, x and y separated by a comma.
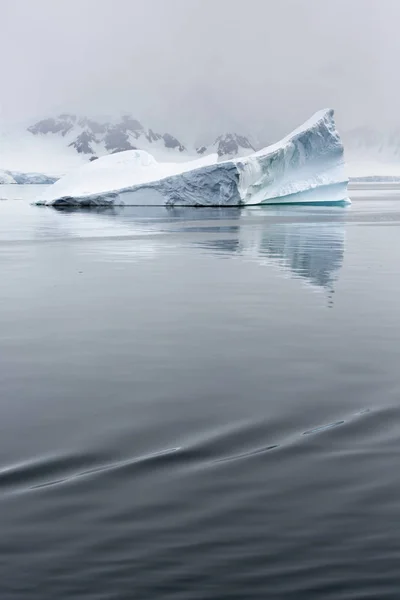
<point>200,403</point>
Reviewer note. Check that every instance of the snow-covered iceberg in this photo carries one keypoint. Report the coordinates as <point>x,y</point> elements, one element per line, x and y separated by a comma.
<point>11,177</point>
<point>307,166</point>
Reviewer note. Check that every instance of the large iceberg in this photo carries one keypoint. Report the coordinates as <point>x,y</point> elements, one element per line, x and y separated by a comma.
<point>307,166</point>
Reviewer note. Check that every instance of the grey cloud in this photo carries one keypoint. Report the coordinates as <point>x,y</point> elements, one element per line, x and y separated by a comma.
<point>199,67</point>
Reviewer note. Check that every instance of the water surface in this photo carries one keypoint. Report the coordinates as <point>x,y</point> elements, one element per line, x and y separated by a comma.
<point>200,403</point>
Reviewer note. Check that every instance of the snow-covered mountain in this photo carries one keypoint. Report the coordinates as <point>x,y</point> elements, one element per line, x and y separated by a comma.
<point>228,145</point>
<point>96,138</point>
<point>55,145</point>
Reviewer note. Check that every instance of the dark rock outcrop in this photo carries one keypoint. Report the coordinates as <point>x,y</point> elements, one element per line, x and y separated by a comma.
<point>129,124</point>
<point>152,136</point>
<point>116,139</point>
<point>171,142</point>
<point>94,126</point>
<point>59,125</point>
<point>230,144</point>
<point>83,141</point>
<point>201,149</point>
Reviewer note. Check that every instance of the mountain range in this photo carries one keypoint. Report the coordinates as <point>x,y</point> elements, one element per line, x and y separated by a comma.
<point>54,145</point>
<point>45,150</point>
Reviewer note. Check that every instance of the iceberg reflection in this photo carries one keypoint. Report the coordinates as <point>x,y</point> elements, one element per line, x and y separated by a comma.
<point>305,242</point>
<point>303,245</point>
<point>313,251</point>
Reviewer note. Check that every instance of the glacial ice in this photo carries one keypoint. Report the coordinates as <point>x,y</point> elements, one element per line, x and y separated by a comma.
<point>307,166</point>
<point>6,178</point>
<point>17,177</point>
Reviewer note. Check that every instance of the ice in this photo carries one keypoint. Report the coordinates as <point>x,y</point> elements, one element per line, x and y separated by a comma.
<point>6,178</point>
<point>16,177</point>
<point>307,166</point>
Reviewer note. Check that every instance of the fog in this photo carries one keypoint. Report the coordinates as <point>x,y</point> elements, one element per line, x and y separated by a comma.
<point>199,67</point>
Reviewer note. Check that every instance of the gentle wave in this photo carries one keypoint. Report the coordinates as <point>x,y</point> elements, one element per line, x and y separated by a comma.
<point>57,470</point>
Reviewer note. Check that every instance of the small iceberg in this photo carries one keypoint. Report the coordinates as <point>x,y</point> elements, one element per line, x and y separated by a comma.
<point>19,178</point>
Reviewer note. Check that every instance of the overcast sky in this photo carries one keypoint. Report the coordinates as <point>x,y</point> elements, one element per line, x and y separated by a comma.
<point>202,66</point>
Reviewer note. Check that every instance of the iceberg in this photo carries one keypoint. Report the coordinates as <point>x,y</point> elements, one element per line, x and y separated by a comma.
<point>32,178</point>
<point>307,166</point>
<point>6,178</point>
<point>16,177</point>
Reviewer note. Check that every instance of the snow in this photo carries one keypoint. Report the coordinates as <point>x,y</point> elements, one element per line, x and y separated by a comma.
<point>372,164</point>
<point>15,177</point>
<point>116,171</point>
<point>6,178</point>
<point>54,153</point>
<point>157,149</point>
<point>24,152</point>
<point>306,166</point>
<point>372,153</point>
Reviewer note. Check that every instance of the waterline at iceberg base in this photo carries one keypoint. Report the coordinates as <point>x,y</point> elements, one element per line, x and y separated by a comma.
<point>306,167</point>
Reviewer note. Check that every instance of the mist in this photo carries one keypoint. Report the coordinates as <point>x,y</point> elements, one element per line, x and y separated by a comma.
<point>200,67</point>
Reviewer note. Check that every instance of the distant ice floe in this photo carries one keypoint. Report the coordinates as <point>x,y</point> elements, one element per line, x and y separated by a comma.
<point>17,177</point>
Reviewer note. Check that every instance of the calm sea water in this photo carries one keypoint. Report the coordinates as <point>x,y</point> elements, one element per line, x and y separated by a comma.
<point>200,404</point>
